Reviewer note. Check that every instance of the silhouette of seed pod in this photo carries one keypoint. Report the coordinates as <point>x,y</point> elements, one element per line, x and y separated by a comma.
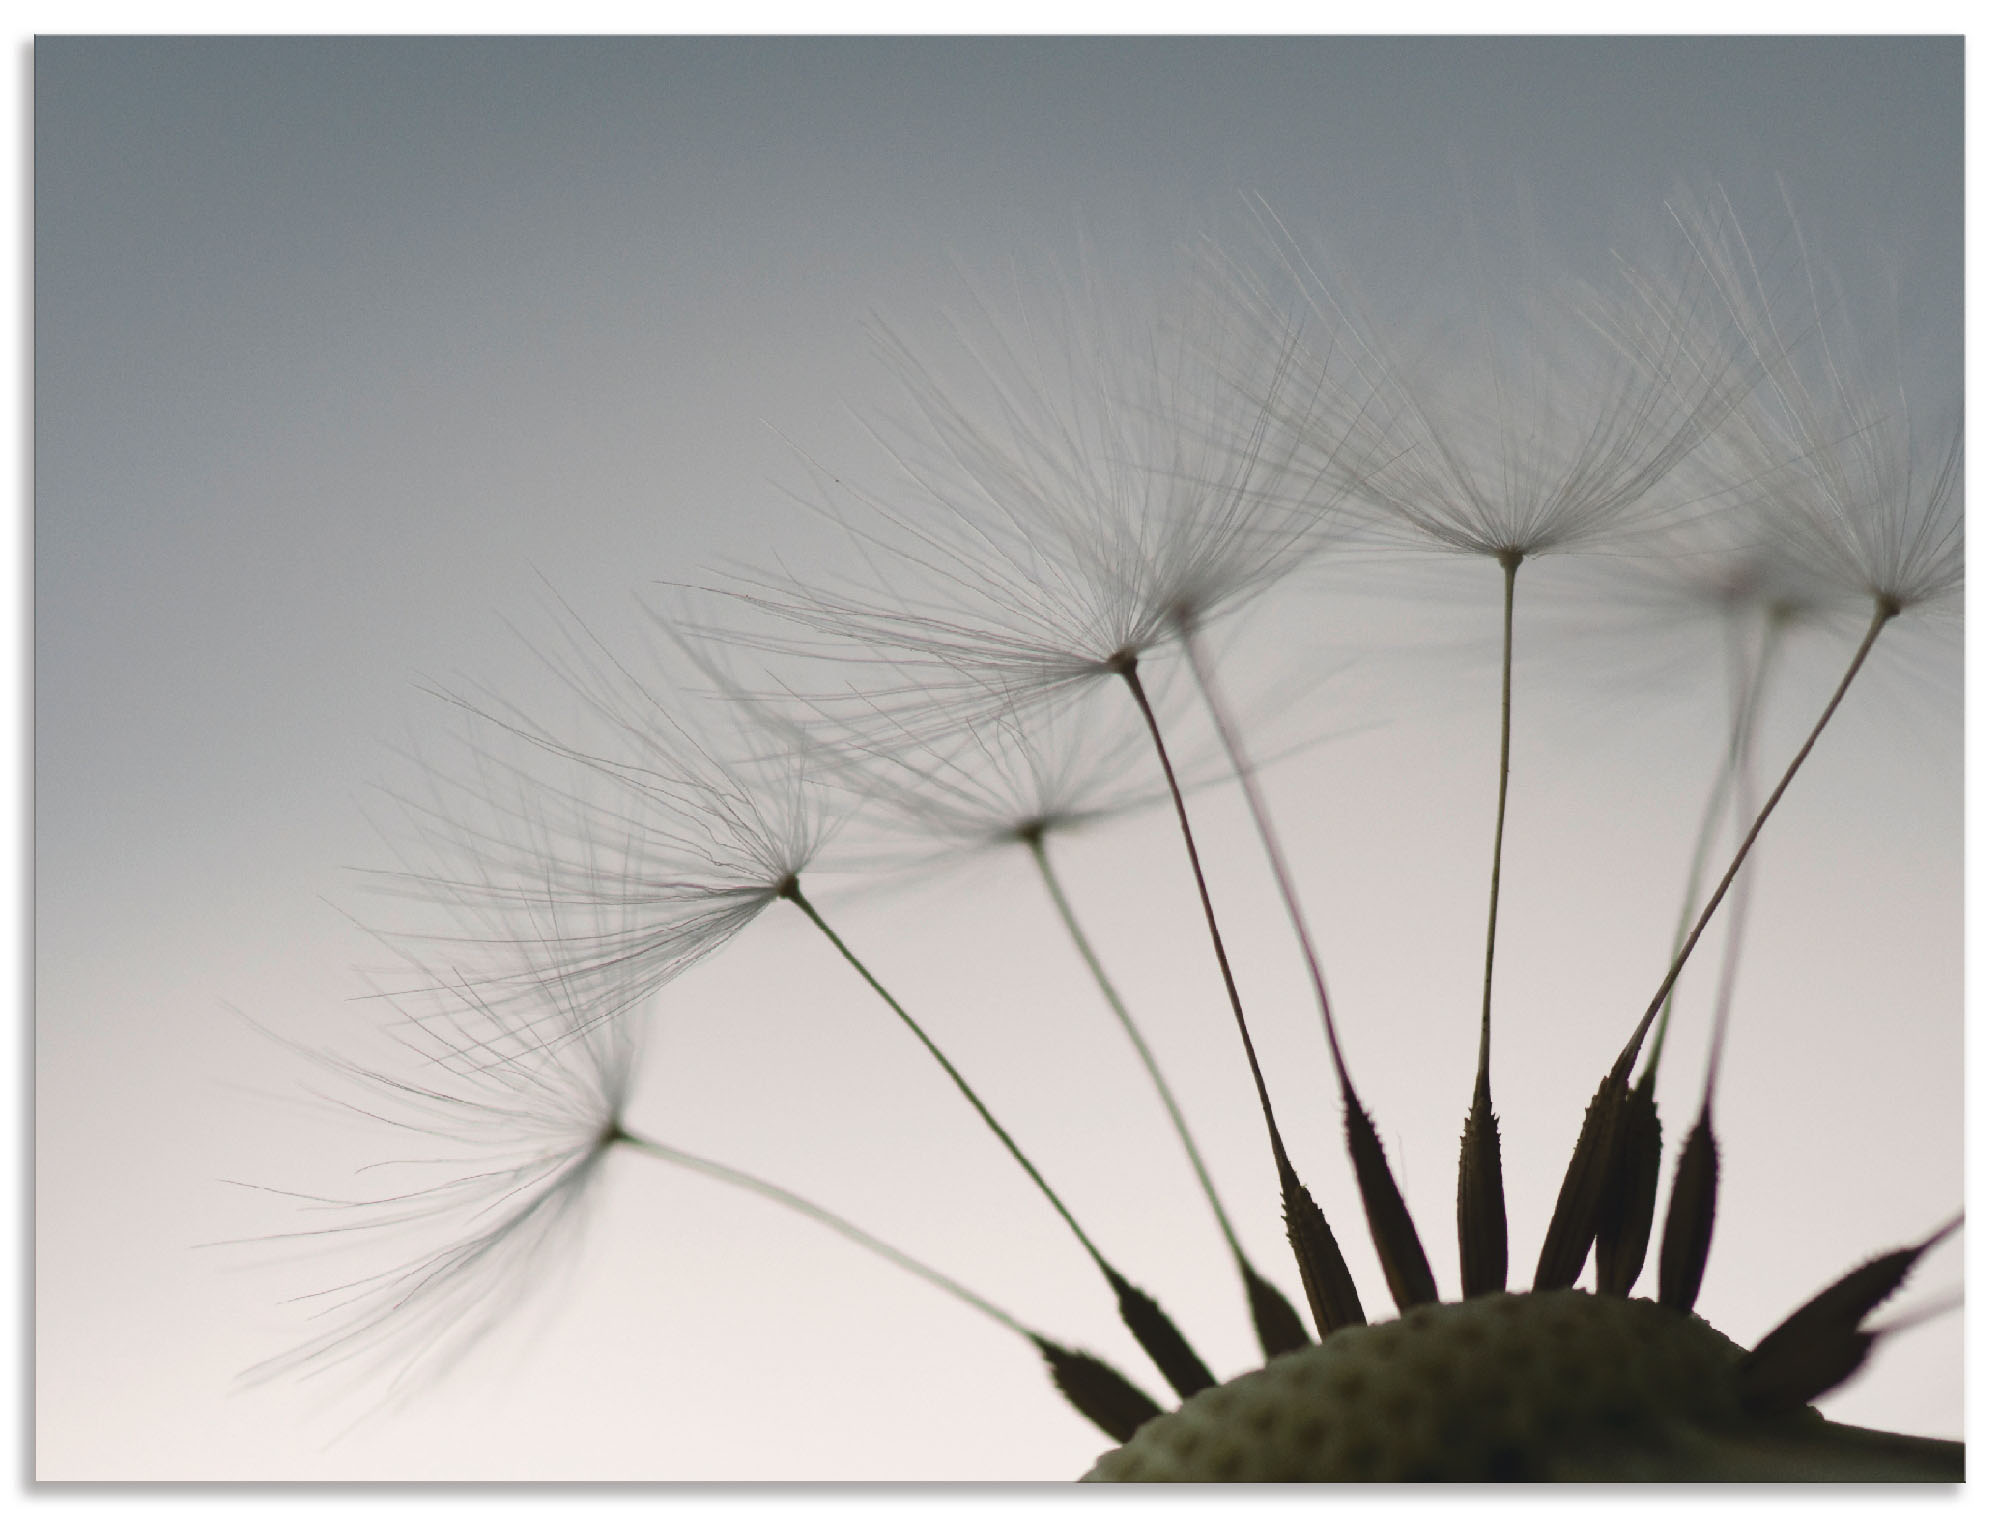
<point>1554,1385</point>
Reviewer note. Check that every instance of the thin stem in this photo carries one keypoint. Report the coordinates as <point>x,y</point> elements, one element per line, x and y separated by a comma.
<point>1038,849</point>
<point>797,897</point>
<point>1253,795</point>
<point>794,1202</point>
<point>1739,909</point>
<point>1510,565</point>
<point>1155,1331</point>
<point>1094,1388</point>
<point>1746,699</point>
<point>1884,610</point>
<point>1711,820</point>
<point>1579,1202</point>
<point>1130,672</point>
<point>1389,1224</point>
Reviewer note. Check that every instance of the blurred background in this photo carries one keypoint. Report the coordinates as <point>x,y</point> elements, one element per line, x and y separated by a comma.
<point>350,354</point>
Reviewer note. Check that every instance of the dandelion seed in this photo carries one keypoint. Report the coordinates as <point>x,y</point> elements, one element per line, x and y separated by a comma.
<point>1156,1333</point>
<point>1279,1330</point>
<point>1571,1229</point>
<point>1736,584</point>
<point>1553,438</point>
<point>1395,1235</point>
<point>1834,473</point>
<point>519,1109</point>
<point>548,1096</point>
<point>1690,1217</point>
<point>1033,777</point>
<point>1329,1286</point>
<point>1106,507</point>
<point>1578,1204</point>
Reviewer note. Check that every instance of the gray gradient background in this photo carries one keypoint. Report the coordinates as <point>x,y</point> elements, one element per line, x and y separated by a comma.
<point>340,345</point>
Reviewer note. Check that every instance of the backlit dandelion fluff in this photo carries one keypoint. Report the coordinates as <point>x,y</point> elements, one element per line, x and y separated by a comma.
<point>514,1111</point>
<point>1861,491</point>
<point>1057,521</point>
<point>925,797</point>
<point>650,849</point>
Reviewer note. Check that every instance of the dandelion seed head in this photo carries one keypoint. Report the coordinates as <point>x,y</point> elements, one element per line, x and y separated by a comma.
<point>1095,494</point>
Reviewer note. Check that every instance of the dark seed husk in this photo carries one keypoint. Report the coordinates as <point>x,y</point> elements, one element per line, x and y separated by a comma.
<point>1810,1366</point>
<point>1573,1227</point>
<point>1395,1235</point>
<point>1625,1219</point>
<point>1117,1406</point>
<point>1690,1221</point>
<point>1823,1342</point>
<point>1482,1201</point>
<point>1158,1336</point>
<point>1279,1330</point>
<point>1330,1292</point>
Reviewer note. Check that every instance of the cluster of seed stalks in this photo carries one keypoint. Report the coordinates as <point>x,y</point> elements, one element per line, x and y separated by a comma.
<point>1079,518</point>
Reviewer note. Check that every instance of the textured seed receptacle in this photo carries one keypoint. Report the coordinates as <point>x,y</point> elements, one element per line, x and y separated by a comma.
<point>1502,1387</point>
